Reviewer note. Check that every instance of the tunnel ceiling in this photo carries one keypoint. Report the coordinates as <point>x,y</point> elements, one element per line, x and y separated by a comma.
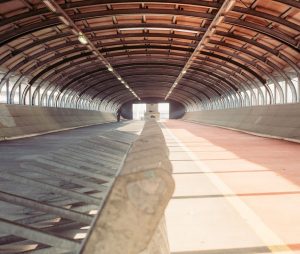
<point>147,44</point>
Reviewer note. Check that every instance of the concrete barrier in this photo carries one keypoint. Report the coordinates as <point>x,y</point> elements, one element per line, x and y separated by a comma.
<point>19,120</point>
<point>131,219</point>
<point>159,243</point>
<point>281,121</point>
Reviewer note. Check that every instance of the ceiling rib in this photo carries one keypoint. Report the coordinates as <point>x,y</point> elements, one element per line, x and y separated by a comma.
<point>225,8</point>
<point>64,18</point>
<point>242,50</point>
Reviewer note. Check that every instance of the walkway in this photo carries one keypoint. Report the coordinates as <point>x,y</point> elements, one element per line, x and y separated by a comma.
<point>235,193</point>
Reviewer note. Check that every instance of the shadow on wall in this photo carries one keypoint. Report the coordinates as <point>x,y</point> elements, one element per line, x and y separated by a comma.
<point>177,110</point>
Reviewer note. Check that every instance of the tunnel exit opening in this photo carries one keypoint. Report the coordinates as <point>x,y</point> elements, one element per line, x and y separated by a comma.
<point>143,111</point>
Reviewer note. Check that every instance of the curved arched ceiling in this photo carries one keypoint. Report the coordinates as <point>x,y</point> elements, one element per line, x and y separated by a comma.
<point>148,43</point>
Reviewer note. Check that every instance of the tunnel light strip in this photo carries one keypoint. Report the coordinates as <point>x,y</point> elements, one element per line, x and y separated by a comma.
<point>49,5</point>
<point>218,19</point>
<point>64,20</point>
<point>83,39</point>
<point>158,29</point>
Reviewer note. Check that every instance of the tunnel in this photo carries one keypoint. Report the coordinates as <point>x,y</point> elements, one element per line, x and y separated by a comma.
<point>216,172</point>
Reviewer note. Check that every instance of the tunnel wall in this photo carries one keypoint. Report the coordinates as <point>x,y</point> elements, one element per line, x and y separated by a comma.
<point>19,120</point>
<point>273,120</point>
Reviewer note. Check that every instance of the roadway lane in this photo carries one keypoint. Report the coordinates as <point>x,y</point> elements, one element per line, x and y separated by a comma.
<point>52,185</point>
<point>11,151</point>
<point>235,193</point>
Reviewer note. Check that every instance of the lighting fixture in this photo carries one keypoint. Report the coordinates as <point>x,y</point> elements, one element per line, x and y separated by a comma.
<point>50,5</point>
<point>158,29</point>
<point>219,18</point>
<point>64,20</point>
<point>82,39</point>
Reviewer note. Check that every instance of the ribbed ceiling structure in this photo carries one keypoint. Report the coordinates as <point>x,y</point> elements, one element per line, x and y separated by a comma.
<point>230,51</point>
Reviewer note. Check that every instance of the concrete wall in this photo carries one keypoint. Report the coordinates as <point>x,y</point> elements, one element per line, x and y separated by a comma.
<point>159,243</point>
<point>177,110</point>
<point>274,120</point>
<point>19,120</point>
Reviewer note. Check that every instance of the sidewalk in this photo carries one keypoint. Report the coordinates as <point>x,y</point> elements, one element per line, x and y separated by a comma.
<point>235,193</point>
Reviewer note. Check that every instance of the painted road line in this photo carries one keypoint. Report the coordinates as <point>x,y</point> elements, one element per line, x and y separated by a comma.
<point>267,236</point>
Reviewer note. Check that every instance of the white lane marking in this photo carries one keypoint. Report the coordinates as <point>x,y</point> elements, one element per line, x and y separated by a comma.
<point>268,237</point>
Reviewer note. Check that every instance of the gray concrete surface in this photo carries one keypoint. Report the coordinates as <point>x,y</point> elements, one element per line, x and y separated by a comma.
<point>51,186</point>
<point>274,120</point>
